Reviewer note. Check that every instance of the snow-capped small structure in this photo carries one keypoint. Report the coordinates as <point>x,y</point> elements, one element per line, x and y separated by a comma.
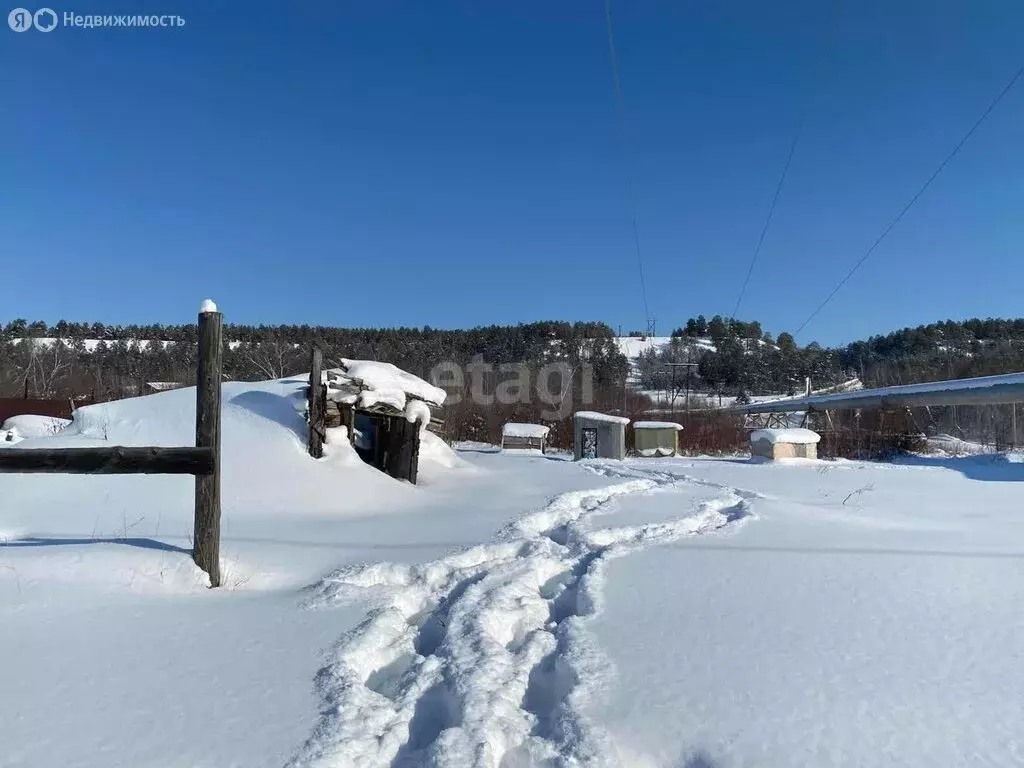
<point>164,386</point>
<point>599,435</point>
<point>384,410</point>
<point>516,436</point>
<point>794,443</point>
<point>656,438</point>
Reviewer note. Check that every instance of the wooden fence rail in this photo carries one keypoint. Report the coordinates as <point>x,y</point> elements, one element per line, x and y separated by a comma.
<point>203,460</point>
<point>118,460</point>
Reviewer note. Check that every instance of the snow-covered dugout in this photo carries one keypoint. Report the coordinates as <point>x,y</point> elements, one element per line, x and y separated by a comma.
<point>656,438</point>
<point>784,443</point>
<point>524,436</point>
<point>384,409</point>
<point>599,435</point>
<point>27,426</point>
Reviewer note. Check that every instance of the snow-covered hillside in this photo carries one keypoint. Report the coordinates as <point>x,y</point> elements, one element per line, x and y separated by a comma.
<point>634,346</point>
<point>91,345</point>
<point>510,611</point>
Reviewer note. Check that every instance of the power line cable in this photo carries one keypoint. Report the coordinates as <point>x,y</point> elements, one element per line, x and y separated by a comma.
<point>768,220</point>
<point>914,199</point>
<point>826,46</point>
<point>624,135</point>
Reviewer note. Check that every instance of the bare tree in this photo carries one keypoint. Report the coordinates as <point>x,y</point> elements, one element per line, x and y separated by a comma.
<point>273,358</point>
<point>48,363</point>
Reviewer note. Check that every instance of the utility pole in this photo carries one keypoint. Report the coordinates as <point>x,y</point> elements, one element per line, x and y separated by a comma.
<point>625,377</point>
<point>688,369</point>
<point>672,392</point>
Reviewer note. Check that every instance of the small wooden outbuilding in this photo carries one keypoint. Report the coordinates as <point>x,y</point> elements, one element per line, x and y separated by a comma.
<point>599,435</point>
<point>656,438</point>
<point>524,436</point>
<point>796,443</point>
<point>384,410</point>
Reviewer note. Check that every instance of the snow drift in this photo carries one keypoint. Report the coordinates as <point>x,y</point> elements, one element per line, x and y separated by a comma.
<point>265,467</point>
<point>18,428</point>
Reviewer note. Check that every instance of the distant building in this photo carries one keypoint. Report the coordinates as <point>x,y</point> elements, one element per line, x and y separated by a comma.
<point>163,386</point>
<point>599,435</point>
<point>784,443</point>
<point>656,438</point>
<point>524,436</point>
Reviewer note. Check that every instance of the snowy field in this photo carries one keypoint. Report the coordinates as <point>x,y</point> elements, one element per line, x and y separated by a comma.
<point>510,611</point>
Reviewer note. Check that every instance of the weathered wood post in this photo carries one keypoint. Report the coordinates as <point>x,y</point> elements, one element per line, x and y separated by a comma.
<point>316,405</point>
<point>206,541</point>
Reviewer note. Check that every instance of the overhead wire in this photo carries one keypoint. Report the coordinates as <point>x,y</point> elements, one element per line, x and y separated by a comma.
<point>910,203</point>
<point>624,136</point>
<point>826,46</point>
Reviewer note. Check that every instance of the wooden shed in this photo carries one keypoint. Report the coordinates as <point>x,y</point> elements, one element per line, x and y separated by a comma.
<point>599,435</point>
<point>656,438</point>
<point>384,410</point>
<point>524,436</point>
<point>796,443</point>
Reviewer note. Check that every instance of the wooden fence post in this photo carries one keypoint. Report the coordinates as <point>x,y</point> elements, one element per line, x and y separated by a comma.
<point>316,404</point>
<point>206,541</point>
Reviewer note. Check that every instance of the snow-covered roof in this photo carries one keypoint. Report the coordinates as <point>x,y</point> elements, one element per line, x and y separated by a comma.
<point>595,416</point>
<point>163,386</point>
<point>1004,388</point>
<point>525,430</point>
<point>796,435</point>
<point>657,425</point>
<point>369,382</point>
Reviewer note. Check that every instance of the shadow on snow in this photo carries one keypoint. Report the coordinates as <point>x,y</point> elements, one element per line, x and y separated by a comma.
<point>142,543</point>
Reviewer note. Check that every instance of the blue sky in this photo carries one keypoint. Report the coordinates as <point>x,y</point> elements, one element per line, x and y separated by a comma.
<point>459,163</point>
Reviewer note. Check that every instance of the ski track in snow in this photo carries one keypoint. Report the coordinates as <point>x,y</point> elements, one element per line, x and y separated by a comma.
<point>481,659</point>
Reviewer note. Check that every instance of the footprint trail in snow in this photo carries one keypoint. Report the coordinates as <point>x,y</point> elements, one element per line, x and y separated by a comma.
<point>480,659</point>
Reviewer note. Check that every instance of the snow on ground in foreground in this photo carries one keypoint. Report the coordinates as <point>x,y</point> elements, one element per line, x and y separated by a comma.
<point>871,615</point>
<point>118,655</point>
<point>481,658</point>
<point>510,611</point>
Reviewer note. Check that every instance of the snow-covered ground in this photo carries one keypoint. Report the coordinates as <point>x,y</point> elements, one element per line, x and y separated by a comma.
<point>510,611</point>
<point>950,445</point>
<point>869,615</point>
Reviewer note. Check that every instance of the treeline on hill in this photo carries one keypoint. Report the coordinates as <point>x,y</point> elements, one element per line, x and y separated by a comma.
<point>103,362</point>
<point>738,358</point>
<point>110,362</point>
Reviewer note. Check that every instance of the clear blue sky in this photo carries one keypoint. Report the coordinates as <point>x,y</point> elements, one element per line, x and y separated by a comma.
<point>458,163</point>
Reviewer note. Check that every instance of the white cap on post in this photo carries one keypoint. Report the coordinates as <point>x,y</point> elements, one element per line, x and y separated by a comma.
<point>207,306</point>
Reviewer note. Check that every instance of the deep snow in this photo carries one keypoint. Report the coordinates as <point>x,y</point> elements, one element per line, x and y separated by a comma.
<point>872,615</point>
<point>18,428</point>
<point>510,611</point>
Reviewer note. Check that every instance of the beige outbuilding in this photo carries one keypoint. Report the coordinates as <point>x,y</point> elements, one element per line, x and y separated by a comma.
<point>656,438</point>
<point>784,443</point>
